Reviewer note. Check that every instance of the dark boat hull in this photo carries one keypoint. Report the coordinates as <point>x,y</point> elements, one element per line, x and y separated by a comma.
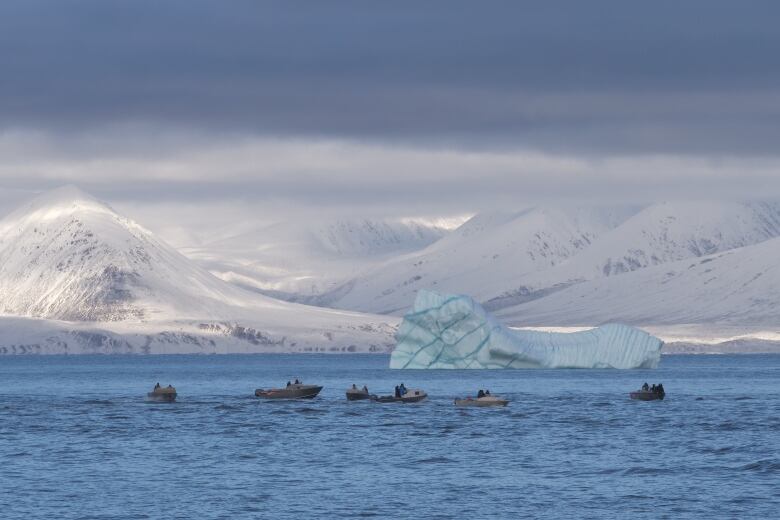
<point>647,395</point>
<point>291,392</point>
<point>358,396</point>
<point>161,398</point>
<point>412,397</point>
<point>481,402</point>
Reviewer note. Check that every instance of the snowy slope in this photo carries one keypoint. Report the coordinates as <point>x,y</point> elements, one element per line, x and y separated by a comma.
<point>67,256</point>
<point>480,257</point>
<point>667,232</point>
<point>505,260</point>
<point>737,287</point>
<point>40,336</point>
<point>659,234</point>
<point>300,260</point>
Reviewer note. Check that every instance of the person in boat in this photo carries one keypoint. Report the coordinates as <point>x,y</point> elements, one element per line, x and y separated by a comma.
<point>652,389</point>
<point>403,390</point>
<point>487,393</point>
<point>365,388</point>
<point>297,382</point>
<point>397,391</point>
<point>645,387</point>
<point>157,386</point>
<point>660,389</point>
<point>481,393</point>
<point>288,383</point>
<point>354,387</point>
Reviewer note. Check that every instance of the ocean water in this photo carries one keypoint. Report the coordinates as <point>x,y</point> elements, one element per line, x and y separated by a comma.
<point>78,440</point>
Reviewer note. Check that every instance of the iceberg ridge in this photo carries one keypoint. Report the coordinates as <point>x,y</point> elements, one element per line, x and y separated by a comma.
<point>454,331</point>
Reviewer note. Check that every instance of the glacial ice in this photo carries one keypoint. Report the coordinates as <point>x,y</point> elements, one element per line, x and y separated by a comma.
<point>453,331</point>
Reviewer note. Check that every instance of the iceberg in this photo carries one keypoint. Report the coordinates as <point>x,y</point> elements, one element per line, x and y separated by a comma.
<point>454,331</point>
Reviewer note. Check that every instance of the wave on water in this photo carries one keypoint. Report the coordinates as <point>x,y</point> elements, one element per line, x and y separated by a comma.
<point>765,466</point>
<point>557,451</point>
<point>641,470</point>
<point>435,460</point>
<point>99,402</point>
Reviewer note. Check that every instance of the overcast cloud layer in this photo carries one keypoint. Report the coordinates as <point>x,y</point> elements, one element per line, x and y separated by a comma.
<point>402,107</point>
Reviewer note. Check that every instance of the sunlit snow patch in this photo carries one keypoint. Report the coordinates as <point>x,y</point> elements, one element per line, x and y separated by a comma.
<point>447,331</point>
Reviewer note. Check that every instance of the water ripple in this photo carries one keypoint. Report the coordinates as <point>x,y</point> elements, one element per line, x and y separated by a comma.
<point>570,445</point>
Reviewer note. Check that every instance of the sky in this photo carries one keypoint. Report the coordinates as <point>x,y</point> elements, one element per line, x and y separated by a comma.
<point>203,113</point>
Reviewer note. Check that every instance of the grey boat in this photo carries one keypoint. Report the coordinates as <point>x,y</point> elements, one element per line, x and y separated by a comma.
<point>292,391</point>
<point>647,395</point>
<point>162,394</point>
<point>358,394</point>
<point>411,396</point>
<point>488,400</point>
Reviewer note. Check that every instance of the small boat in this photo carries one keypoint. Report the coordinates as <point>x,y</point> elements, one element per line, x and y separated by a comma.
<point>411,396</point>
<point>292,391</point>
<point>358,394</point>
<point>647,395</point>
<point>163,394</point>
<point>488,400</point>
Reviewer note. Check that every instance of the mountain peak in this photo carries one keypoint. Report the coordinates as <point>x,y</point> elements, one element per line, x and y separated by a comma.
<point>55,203</point>
<point>67,196</point>
<point>67,255</point>
<point>66,202</point>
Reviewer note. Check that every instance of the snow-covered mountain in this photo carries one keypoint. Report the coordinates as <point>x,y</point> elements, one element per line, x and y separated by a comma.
<point>76,276</point>
<point>298,260</point>
<point>481,257</point>
<point>657,235</point>
<point>673,231</point>
<point>541,263</point>
<point>737,287</point>
<point>69,257</point>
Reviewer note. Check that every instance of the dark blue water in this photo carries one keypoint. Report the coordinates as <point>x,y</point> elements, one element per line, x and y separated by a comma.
<point>77,440</point>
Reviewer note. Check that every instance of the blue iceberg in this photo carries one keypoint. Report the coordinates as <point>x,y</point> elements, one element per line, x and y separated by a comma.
<point>449,331</point>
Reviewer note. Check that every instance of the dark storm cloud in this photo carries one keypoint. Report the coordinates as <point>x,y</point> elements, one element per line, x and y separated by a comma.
<point>593,77</point>
<point>207,113</point>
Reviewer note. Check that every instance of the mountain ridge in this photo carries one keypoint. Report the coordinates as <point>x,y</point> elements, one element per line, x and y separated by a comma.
<point>70,259</point>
